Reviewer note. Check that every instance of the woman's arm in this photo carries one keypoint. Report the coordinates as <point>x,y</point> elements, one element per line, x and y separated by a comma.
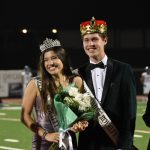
<point>79,83</point>
<point>29,98</point>
<point>27,105</point>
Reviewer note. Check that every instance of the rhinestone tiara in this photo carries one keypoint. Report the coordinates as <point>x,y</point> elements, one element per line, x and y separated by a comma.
<point>49,43</point>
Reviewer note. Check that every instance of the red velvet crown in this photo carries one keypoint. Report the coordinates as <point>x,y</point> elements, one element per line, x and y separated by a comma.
<point>93,26</point>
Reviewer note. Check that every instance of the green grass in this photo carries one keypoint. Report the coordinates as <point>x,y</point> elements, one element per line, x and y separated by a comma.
<point>12,128</point>
<point>142,142</point>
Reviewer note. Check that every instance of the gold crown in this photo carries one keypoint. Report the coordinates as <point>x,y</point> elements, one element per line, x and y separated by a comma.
<point>49,43</point>
<point>93,26</point>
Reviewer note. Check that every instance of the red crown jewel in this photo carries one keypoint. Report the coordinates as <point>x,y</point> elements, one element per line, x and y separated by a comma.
<point>93,26</point>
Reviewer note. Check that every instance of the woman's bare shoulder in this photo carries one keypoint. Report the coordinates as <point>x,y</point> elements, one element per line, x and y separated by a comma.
<point>78,81</point>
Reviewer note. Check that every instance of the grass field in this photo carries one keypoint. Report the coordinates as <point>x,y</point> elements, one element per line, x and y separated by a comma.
<point>15,136</point>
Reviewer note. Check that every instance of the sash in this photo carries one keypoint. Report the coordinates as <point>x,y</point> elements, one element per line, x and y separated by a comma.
<point>65,139</point>
<point>103,118</point>
<point>52,116</point>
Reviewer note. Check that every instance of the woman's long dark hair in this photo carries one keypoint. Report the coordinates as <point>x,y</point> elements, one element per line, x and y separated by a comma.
<point>48,84</point>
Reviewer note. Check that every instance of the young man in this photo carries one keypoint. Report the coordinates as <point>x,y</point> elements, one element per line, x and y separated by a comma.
<point>113,85</point>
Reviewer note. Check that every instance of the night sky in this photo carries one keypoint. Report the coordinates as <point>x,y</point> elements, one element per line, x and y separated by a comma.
<point>40,16</point>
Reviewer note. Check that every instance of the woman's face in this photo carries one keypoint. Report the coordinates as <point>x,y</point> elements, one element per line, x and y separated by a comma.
<point>52,63</point>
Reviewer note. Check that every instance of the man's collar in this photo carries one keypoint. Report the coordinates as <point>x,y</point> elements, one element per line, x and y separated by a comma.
<point>104,60</point>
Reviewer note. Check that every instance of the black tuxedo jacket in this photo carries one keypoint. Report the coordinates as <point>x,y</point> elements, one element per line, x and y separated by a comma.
<point>118,101</point>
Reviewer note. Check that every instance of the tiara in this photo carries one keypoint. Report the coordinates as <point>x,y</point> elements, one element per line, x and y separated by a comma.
<point>49,43</point>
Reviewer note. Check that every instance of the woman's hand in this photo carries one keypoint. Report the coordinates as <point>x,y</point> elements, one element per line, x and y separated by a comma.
<point>52,137</point>
<point>79,126</point>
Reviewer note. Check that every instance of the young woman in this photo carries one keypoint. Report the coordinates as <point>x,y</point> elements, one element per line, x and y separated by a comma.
<point>38,112</point>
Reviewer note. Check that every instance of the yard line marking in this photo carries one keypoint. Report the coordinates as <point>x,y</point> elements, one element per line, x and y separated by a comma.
<point>11,140</point>
<point>142,131</point>
<point>138,136</point>
<point>11,108</point>
<point>10,119</point>
<point>9,148</point>
<point>2,114</point>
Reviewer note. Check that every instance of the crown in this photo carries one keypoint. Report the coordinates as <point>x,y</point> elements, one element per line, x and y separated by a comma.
<point>93,26</point>
<point>49,43</point>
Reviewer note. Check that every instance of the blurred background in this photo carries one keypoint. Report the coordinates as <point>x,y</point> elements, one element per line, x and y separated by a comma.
<point>24,24</point>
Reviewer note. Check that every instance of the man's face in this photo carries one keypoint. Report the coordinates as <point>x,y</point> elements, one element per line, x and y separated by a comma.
<point>93,45</point>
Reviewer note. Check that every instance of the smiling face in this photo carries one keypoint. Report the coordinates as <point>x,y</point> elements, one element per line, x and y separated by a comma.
<point>93,45</point>
<point>52,63</point>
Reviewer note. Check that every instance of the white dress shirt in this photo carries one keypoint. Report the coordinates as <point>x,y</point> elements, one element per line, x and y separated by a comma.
<point>98,78</point>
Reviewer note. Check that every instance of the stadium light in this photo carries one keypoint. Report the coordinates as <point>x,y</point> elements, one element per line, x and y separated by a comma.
<point>24,31</point>
<point>54,31</point>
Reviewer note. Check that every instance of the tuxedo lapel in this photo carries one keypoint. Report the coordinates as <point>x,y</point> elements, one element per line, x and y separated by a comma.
<point>89,80</point>
<point>85,73</point>
<point>107,79</point>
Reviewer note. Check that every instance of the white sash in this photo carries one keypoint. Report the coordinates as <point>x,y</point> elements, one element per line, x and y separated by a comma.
<point>103,118</point>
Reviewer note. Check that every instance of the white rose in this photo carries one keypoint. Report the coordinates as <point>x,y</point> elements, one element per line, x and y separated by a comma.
<point>79,97</point>
<point>82,108</point>
<point>86,97</point>
<point>73,91</point>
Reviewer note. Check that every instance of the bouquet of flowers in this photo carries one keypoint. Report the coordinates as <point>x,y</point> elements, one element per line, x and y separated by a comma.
<point>72,106</point>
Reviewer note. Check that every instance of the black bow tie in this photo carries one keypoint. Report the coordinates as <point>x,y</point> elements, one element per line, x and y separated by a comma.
<point>99,65</point>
